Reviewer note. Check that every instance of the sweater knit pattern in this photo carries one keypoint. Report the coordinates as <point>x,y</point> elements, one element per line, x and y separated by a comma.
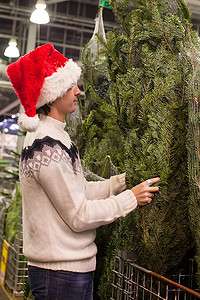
<point>43,151</point>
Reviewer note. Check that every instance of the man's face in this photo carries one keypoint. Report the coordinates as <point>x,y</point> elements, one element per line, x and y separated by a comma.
<point>67,104</point>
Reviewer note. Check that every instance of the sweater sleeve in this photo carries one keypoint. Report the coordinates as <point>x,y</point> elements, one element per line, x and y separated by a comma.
<point>70,201</point>
<point>103,189</point>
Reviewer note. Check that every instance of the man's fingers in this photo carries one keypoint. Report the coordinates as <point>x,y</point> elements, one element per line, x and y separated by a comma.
<point>145,201</point>
<point>155,179</point>
<point>149,195</point>
<point>153,189</point>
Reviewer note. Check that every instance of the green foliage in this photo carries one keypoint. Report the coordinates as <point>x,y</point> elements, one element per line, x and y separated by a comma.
<point>10,170</point>
<point>142,124</point>
<point>151,106</point>
<point>74,126</point>
<point>27,290</point>
<point>3,162</point>
<point>193,146</point>
<point>184,10</point>
<point>12,216</point>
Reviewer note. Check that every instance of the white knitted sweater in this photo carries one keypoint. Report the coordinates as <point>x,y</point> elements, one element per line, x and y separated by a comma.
<point>60,208</point>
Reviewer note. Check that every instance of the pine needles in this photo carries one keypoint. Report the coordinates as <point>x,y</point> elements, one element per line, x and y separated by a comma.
<point>147,133</point>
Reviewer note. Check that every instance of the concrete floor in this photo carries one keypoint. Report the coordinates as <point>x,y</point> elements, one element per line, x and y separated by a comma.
<point>3,294</point>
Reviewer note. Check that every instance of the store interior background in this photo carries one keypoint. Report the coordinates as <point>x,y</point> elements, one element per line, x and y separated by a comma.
<point>70,28</point>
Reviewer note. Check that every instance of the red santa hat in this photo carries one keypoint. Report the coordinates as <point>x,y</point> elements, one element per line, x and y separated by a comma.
<point>40,77</point>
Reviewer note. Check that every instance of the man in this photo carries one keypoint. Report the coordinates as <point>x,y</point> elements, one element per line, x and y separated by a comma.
<point>61,210</point>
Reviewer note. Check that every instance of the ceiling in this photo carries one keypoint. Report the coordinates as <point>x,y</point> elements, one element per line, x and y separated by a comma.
<point>71,26</point>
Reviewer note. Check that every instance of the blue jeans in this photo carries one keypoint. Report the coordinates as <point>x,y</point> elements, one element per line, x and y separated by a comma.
<point>60,285</point>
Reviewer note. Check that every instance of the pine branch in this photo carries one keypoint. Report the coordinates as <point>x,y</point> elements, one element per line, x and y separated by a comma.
<point>109,51</point>
<point>184,9</point>
<point>158,23</point>
<point>118,17</point>
<point>130,50</point>
<point>171,202</point>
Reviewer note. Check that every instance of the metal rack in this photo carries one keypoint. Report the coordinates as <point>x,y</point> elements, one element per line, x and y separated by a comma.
<point>132,282</point>
<point>17,270</point>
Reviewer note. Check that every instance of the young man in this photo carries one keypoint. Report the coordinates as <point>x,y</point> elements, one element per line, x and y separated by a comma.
<point>61,210</point>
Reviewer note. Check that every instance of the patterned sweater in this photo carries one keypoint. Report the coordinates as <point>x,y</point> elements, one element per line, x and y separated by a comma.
<point>60,208</point>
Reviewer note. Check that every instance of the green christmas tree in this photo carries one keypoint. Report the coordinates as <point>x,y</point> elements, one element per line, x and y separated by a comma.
<point>193,143</point>
<point>142,124</point>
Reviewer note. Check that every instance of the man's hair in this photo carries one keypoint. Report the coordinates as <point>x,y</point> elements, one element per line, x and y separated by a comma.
<point>45,109</point>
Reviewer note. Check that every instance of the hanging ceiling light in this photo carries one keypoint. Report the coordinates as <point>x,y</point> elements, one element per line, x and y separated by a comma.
<point>40,15</point>
<point>12,50</point>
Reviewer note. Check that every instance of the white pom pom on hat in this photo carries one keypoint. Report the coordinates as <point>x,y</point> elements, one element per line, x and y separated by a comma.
<point>28,123</point>
<point>40,77</point>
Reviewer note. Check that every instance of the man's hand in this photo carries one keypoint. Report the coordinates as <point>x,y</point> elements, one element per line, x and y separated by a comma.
<point>144,193</point>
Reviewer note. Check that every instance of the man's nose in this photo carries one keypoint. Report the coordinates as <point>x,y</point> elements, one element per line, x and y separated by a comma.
<point>77,90</point>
